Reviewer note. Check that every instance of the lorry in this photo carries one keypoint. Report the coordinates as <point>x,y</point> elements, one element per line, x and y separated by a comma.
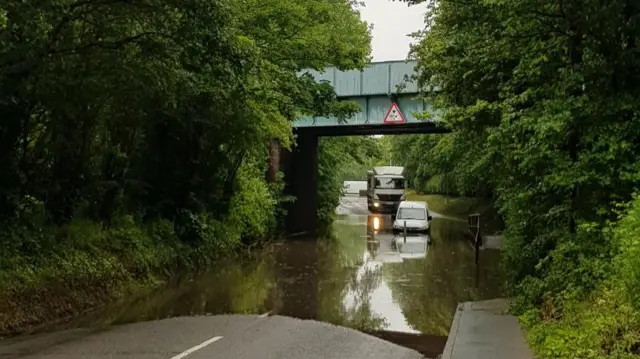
<point>386,188</point>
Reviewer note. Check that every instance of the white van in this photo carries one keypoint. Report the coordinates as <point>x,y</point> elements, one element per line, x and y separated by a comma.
<point>414,215</point>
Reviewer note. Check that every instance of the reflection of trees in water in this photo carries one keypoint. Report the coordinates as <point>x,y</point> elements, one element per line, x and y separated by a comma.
<point>429,290</point>
<point>346,282</point>
<point>239,285</point>
<point>297,279</point>
<point>357,300</point>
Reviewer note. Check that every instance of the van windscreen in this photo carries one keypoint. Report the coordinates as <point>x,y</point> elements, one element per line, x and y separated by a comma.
<point>411,213</point>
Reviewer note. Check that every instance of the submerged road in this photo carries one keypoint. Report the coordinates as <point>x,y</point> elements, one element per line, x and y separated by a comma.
<point>223,336</point>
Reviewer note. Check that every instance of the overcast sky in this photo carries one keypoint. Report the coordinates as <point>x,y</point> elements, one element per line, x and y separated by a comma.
<point>392,22</point>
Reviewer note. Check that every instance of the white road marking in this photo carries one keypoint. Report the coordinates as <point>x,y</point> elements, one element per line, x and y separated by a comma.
<point>264,315</point>
<point>196,348</point>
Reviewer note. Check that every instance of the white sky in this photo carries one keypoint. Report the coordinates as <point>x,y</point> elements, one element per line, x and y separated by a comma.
<point>392,22</point>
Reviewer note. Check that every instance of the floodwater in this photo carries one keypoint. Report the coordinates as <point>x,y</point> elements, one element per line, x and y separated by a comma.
<point>358,277</point>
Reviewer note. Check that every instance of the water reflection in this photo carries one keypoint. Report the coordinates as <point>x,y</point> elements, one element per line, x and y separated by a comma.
<point>412,246</point>
<point>398,285</point>
<point>361,277</point>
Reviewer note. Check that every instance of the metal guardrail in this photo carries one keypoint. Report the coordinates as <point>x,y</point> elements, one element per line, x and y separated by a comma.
<point>474,228</point>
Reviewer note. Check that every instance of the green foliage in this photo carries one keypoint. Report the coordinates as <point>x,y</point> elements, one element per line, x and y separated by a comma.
<point>604,324</point>
<point>544,109</point>
<point>342,159</point>
<point>135,133</point>
<point>627,262</point>
<point>88,263</point>
<point>152,108</point>
<point>543,97</point>
<point>442,164</point>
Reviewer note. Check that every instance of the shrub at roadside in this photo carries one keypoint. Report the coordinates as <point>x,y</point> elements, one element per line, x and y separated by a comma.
<point>605,323</point>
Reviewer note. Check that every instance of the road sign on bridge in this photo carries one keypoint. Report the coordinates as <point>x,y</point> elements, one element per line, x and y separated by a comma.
<point>394,115</point>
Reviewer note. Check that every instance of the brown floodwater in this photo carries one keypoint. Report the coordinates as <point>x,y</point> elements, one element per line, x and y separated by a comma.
<point>356,277</point>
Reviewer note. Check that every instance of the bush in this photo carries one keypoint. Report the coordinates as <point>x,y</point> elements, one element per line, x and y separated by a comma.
<point>84,263</point>
<point>341,159</point>
<point>598,315</point>
<point>627,238</point>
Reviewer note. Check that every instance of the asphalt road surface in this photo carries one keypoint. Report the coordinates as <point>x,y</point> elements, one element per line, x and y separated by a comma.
<point>224,337</point>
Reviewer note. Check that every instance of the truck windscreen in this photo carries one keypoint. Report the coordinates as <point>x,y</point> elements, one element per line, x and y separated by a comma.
<point>389,183</point>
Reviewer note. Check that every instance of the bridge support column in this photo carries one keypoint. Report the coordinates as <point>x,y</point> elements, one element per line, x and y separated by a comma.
<point>300,167</point>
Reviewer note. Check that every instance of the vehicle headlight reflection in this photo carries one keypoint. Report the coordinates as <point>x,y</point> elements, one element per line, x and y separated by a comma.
<point>376,223</point>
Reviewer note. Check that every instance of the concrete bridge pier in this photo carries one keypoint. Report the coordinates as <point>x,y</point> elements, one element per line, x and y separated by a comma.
<point>300,168</point>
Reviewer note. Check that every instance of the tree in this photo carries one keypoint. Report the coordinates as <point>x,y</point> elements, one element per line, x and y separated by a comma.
<point>543,96</point>
<point>341,159</point>
<point>152,108</point>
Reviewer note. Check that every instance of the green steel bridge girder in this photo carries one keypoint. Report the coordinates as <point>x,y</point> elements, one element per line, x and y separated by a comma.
<point>372,112</point>
<point>373,89</point>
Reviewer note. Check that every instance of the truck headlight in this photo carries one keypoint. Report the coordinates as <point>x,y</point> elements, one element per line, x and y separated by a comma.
<point>376,204</point>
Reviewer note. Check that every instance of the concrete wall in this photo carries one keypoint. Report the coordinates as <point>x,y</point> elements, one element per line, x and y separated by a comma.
<point>300,167</point>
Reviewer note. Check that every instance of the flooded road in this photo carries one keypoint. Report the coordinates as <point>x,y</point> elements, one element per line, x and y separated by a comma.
<point>358,277</point>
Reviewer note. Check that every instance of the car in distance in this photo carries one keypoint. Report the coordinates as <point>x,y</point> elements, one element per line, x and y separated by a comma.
<point>414,215</point>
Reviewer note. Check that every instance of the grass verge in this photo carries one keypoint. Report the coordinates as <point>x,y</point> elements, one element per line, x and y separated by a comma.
<point>461,207</point>
<point>49,274</point>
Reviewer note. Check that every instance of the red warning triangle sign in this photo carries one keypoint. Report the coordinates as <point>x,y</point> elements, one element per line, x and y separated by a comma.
<point>394,115</point>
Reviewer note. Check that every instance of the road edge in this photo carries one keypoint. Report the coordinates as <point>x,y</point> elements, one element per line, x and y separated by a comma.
<point>453,332</point>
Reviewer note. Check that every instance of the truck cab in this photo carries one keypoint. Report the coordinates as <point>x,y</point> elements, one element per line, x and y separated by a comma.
<point>386,188</point>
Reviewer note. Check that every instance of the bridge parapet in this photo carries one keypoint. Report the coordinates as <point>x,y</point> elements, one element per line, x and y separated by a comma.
<point>379,78</point>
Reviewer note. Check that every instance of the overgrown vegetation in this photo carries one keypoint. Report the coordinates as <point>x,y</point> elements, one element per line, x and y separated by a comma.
<point>342,159</point>
<point>439,164</point>
<point>605,323</point>
<point>542,98</point>
<point>458,207</point>
<point>133,135</point>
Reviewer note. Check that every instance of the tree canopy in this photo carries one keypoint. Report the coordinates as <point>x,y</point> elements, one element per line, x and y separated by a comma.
<point>111,106</point>
<point>133,132</point>
<point>543,101</point>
